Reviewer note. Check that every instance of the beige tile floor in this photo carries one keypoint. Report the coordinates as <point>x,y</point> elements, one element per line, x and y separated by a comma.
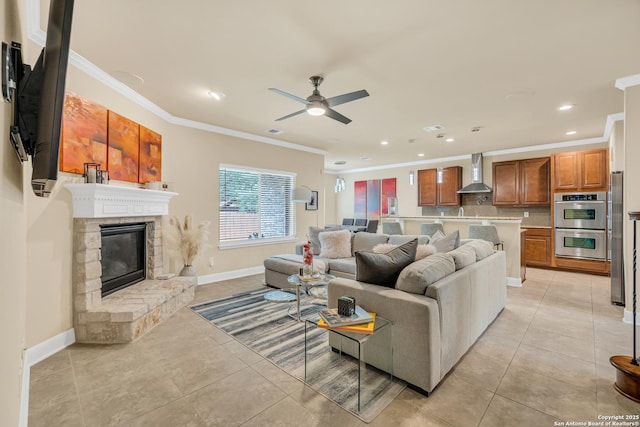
<point>545,359</point>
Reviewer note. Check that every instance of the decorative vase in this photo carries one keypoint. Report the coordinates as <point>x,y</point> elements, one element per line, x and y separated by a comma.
<point>188,270</point>
<point>307,257</point>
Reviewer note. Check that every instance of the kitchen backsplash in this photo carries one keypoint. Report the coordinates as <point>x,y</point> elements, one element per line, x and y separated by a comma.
<point>474,204</point>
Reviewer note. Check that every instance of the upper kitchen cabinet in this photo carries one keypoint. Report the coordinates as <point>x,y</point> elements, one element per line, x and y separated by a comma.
<point>432,193</point>
<point>580,171</point>
<point>522,182</point>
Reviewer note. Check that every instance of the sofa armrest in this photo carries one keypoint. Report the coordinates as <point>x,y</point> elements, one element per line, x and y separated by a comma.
<point>416,327</point>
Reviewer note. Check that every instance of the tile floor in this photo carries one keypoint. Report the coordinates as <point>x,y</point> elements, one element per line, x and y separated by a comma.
<point>545,359</point>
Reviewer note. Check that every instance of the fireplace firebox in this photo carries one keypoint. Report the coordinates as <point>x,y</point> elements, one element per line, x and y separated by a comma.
<point>123,255</point>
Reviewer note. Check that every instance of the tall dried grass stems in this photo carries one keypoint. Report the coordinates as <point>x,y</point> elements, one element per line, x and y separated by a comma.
<point>184,240</point>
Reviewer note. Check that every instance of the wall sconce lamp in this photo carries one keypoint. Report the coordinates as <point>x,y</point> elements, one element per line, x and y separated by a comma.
<point>439,177</point>
<point>412,177</point>
<point>340,185</point>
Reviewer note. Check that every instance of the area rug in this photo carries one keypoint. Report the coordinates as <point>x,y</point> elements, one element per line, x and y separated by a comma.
<point>266,328</point>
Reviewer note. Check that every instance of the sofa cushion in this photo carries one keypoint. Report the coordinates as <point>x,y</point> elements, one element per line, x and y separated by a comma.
<point>364,241</point>
<point>445,243</point>
<point>482,248</point>
<point>383,269</point>
<point>343,265</point>
<point>314,232</point>
<point>418,276</point>
<point>335,244</point>
<point>463,256</point>
<point>422,251</point>
<point>399,239</point>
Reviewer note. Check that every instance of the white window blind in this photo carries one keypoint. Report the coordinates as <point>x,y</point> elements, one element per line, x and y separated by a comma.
<point>255,205</point>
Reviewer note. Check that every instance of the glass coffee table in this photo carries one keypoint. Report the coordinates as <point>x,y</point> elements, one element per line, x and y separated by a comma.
<point>313,286</point>
<point>380,341</point>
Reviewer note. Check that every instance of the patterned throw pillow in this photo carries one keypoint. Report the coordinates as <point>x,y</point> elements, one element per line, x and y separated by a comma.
<point>335,244</point>
<point>422,251</point>
<point>445,243</point>
<point>384,269</point>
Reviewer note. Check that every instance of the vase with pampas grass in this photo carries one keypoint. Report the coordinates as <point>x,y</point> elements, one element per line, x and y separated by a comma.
<point>185,241</point>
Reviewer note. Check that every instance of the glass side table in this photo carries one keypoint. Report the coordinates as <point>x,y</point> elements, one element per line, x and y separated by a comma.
<point>381,339</point>
<point>314,286</point>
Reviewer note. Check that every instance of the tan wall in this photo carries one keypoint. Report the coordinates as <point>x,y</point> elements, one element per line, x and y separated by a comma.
<point>190,162</point>
<point>13,255</point>
<point>631,179</point>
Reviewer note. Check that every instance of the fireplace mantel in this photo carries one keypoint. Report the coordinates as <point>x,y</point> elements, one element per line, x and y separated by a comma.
<point>109,201</point>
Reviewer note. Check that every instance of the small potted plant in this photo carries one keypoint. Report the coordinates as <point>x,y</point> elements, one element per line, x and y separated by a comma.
<point>185,241</point>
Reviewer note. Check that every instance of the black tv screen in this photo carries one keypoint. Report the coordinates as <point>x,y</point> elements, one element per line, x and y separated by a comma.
<point>55,57</point>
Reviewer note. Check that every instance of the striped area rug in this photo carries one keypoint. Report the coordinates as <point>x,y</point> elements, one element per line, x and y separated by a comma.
<point>266,328</point>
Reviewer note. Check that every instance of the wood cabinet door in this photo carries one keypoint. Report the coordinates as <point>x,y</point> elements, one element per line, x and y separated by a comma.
<point>565,171</point>
<point>535,175</point>
<point>427,187</point>
<point>451,183</point>
<point>538,247</point>
<point>506,183</point>
<point>593,170</point>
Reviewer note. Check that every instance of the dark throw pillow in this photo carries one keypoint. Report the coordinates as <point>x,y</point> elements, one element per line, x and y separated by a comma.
<point>384,269</point>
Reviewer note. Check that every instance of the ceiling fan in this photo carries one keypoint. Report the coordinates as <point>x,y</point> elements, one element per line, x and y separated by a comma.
<point>318,105</point>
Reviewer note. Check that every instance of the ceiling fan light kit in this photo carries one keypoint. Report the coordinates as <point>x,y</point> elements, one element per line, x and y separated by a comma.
<point>318,105</point>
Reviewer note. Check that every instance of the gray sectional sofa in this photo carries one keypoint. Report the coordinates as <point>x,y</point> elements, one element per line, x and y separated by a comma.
<point>439,305</point>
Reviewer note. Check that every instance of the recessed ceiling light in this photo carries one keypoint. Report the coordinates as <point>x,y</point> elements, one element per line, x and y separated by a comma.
<point>128,78</point>
<point>365,158</point>
<point>433,128</point>
<point>420,154</point>
<point>340,162</point>
<point>449,139</point>
<point>384,142</point>
<point>565,107</point>
<point>571,132</point>
<point>216,95</point>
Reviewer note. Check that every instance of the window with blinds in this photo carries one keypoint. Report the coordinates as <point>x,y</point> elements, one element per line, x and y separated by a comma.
<point>255,205</point>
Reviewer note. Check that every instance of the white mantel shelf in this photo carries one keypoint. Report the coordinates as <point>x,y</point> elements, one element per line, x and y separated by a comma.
<point>109,201</point>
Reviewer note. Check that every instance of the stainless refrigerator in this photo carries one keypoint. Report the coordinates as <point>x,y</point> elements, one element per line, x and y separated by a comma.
<point>616,224</point>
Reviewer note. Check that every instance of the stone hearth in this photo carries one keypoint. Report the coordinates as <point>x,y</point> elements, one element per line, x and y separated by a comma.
<point>128,313</point>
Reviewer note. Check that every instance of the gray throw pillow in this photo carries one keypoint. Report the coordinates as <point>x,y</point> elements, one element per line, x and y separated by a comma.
<point>463,256</point>
<point>383,269</point>
<point>447,243</point>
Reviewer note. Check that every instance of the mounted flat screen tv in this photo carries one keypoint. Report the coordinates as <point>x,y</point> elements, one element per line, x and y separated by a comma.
<point>38,97</point>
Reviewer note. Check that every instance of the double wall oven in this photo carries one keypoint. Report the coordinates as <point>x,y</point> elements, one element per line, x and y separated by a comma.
<point>580,221</point>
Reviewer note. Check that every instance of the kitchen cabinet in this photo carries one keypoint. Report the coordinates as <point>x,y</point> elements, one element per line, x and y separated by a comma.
<point>522,182</point>
<point>580,170</point>
<point>432,193</point>
<point>538,247</point>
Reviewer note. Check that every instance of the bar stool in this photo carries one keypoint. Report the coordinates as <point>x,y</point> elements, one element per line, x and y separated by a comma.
<point>486,232</point>
<point>430,229</point>
<point>391,228</point>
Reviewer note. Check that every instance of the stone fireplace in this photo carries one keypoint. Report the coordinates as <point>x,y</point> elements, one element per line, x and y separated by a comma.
<point>124,313</point>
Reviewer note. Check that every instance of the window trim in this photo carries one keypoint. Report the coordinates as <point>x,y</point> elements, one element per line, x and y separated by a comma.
<point>232,244</point>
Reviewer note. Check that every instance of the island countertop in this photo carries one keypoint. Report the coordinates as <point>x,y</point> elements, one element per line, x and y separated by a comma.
<point>439,218</point>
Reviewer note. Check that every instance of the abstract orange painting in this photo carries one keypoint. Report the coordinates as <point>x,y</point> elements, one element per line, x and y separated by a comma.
<point>150,156</point>
<point>84,134</point>
<point>123,148</point>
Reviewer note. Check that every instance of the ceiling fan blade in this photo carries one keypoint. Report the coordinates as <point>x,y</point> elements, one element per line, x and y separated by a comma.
<point>347,97</point>
<point>288,95</point>
<point>337,116</point>
<point>291,115</point>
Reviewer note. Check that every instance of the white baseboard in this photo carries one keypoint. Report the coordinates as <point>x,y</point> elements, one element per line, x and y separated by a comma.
<point>228,275</point>
<point>628,317</point>
<point>515,282</point>
<point>36,354</point>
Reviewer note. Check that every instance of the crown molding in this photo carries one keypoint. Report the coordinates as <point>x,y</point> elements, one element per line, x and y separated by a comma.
<point>38,36</point>
<point>624,82</point>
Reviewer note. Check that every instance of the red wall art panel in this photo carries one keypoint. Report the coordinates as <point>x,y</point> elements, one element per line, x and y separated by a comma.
<point>360,199</point>
<point>150,156</point>
<point>123,148</point>
<point>84,134</point>
<point>388,190</point>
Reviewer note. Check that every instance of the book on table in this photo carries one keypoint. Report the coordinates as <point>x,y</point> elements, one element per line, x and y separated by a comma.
<point>333,319</point>
<point>361,328</point>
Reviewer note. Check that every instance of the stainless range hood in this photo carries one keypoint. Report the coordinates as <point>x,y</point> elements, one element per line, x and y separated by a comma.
<point>476,186</point>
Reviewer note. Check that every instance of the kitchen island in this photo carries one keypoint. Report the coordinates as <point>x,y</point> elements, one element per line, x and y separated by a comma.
<point>508,230</point>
